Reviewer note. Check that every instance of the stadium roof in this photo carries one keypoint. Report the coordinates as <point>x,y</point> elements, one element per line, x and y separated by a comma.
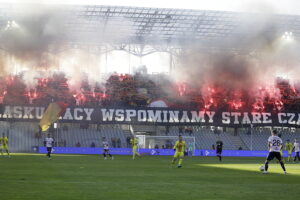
<point>136,25</point>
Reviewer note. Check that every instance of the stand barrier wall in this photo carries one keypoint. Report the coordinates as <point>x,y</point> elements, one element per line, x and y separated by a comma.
<point>162,152</point>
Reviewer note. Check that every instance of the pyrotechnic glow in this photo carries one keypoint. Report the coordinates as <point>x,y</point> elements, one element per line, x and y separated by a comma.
<point>236,104</point>
<point>215,81</point>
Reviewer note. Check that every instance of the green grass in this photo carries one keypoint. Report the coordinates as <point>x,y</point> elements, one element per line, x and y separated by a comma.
<point>90,177</point>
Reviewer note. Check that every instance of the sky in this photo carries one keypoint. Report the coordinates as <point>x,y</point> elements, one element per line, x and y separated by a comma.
<point>291,7</point>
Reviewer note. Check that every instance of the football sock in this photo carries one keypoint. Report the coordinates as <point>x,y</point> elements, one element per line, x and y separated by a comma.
<point>266,166</point>
<point>180,161</point>
<point>282,165</point>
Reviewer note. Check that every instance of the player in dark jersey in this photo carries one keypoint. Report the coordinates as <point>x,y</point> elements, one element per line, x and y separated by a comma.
<point>219,148</point>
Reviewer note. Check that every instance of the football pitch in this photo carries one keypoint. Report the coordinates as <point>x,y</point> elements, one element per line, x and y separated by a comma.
<point>30,176</point>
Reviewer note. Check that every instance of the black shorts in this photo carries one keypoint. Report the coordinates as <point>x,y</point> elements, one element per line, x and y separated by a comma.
<point>105,150</point>
<point>273,155</point>
<point>219,151</point>
<point>49,149</point>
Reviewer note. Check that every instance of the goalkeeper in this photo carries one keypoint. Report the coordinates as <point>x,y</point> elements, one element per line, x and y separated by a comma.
<point>179,149</point>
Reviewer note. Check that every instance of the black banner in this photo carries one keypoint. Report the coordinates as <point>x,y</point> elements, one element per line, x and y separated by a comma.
<point>154,116</point>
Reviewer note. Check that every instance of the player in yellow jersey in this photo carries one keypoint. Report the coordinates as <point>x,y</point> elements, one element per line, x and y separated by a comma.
<point>4,145</point>
<point>289,147</point>
<point>179,149</point>
<point>134,143</point>
<point>1,146</point>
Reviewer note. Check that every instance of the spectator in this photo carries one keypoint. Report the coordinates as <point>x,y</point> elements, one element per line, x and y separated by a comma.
<point>128,142</point>
<point>216,131</point>
<point>169,144</point>
<point>180,129</point>
<point>119,143</point>
<point>156,149</point>
<point>235,131</point>
<point>114,142</point>
<point>186,129</point>
<point>190,131</point>
<point>37,135</point>
<point>167,130</point>
<point>93,145</point>
<point>213,147</point>
<point>98,127</point>
<point>240,148</point>
<point>78,144</point>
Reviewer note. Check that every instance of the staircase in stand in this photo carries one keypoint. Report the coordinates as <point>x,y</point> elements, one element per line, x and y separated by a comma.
<point>238,142</point>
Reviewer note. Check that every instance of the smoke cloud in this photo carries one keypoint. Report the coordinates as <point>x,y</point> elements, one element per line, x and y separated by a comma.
<point>36,39</point>
<point>251,59</point>
<point>31,32</point>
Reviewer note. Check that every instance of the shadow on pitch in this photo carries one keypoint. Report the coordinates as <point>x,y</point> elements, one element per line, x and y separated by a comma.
<point>274,168</point>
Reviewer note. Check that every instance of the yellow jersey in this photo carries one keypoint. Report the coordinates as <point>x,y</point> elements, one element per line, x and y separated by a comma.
<point>180,146</point>
<point>5,141</point>
<point>134,142</point>
<point>288,146</point>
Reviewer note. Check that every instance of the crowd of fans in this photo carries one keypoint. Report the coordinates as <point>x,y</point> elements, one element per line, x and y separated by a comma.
<point>118,90</point>
<point>141,89</point>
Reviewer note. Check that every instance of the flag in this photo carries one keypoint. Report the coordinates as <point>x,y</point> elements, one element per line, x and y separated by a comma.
<point>53,112</point>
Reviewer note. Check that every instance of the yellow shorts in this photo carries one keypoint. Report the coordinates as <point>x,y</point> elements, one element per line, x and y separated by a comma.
<point>134,149</point>
<point>5,147</point>
<point>289,152</point>
<point>178,154</point>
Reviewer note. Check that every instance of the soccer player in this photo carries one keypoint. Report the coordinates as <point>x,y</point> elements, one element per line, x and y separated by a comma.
<point>4,145</point>
<point>1,146</point>
<point>49,144</point>
<point>289,147</point>
<point>179,149</point>
<point>274,145</point>
<point>281,149</point>
<point>219,149</point>
<point>106,149</point>
<point>134,143</point>
<point>296,148</point>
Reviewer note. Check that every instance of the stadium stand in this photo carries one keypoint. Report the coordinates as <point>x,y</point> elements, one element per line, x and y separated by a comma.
<point>139,90</point>
<point>25,136</point>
